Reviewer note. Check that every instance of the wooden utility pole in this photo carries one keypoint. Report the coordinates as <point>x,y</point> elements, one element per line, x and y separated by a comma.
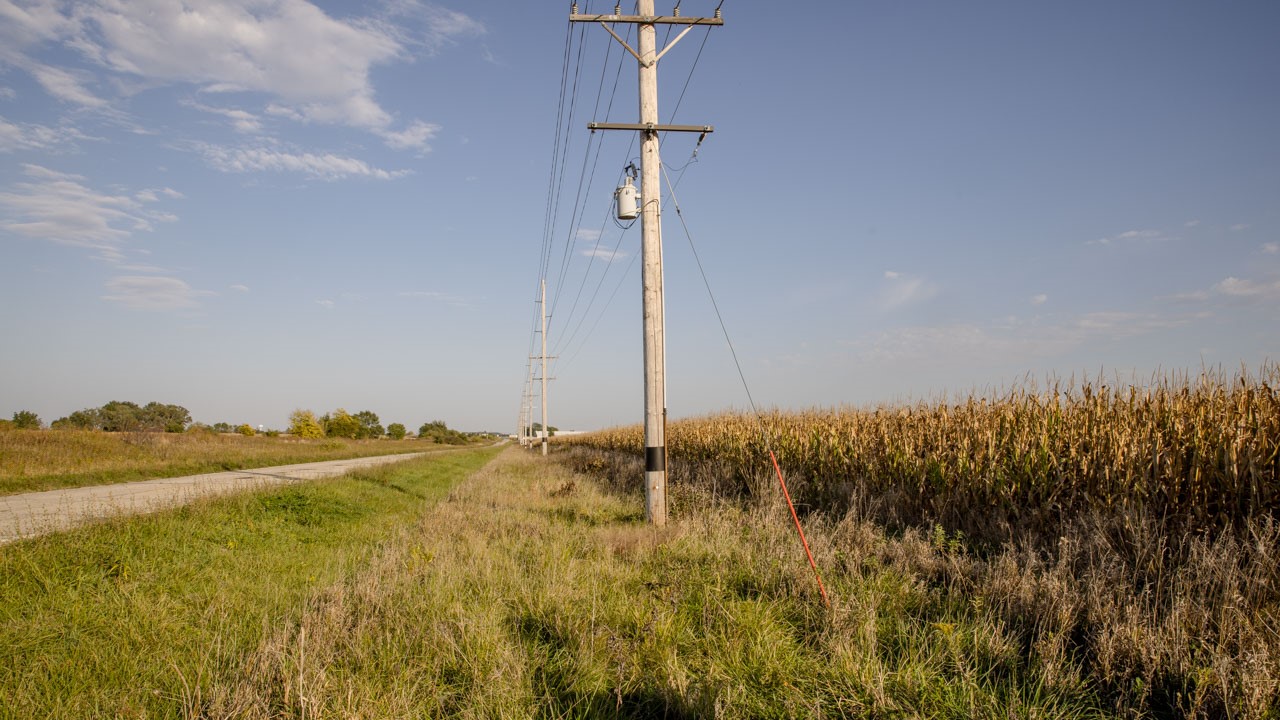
<point>524,404</point>
<point>655,381</point>
<point>528,408</point>
<point>545,431</point>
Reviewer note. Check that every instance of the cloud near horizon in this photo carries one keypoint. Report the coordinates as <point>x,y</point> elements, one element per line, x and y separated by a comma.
<point>901,290</point>
<point>150,292</point>
<point>1011,338</point>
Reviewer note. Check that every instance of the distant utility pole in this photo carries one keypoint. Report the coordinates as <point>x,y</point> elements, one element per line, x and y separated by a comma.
<point>525,398</point>
<point>655,382</point>
<point>545,431</point>
<point>527,431</point>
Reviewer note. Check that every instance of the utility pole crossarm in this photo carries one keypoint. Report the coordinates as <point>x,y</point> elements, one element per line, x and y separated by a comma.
<point>647,19</point>
<point>650,127</point>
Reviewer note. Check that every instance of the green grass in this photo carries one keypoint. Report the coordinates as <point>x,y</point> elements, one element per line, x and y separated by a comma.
<point>154,616</point>
<point>525,590</point>
<point>34,460</point>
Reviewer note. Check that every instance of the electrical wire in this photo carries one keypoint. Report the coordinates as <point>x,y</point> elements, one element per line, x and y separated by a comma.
<point>552,183</point>
<point>755,412</point>
<point>621,280</point>
<point>693,158</point>
<point>607,214</point>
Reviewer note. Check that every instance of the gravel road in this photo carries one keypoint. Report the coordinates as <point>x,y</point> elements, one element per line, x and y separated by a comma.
<point>39,513</point>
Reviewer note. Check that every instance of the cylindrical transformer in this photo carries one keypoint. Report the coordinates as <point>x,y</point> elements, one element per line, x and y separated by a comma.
<point>628,201</point>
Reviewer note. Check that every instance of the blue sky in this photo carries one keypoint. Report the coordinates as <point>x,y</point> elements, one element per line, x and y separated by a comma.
<point>252,206</point>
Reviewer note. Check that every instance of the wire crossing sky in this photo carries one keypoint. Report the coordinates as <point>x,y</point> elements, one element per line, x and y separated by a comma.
<point>250,207</point>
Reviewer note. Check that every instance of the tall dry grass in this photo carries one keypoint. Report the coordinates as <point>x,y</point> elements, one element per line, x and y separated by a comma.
<point>1128,536</point>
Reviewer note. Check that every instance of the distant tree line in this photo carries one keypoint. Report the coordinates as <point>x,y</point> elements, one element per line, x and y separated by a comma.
<point>366,425</point>
<point>22,420</point>
<point>436,430</point>
<point>125,416</point>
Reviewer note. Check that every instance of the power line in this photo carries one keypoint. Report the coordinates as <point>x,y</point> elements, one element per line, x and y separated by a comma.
<point>608,112</point>
<point>684,89</point>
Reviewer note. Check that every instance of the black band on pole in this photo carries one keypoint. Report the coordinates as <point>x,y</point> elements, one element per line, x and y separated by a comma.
<point>655,459</point>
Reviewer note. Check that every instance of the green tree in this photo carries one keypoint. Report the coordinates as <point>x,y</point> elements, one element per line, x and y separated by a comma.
<point>246,430</point>
<point>169,418</point>
<point>370,427</point>
<point>26,420</point>
<point>431,428</point>
<point>87,419</point>
<point>340,423</point>
<point>120,416</point>
<point>440,433</point>
<point>303,424</point>
<point>397,431</point>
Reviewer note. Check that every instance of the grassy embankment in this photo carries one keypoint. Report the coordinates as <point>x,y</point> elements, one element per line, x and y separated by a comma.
<point>33,460</point>
<point>160,615</point>
<point>531,591</point>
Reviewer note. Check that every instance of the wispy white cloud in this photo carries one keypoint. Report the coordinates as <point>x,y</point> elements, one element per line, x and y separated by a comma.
<point>153,194</point>
<point>1256,290</point>
<point>1271,248</point>
<point>1131,236</point>
<point>325,166</point>
<point>425,25</point>
<point>66,86</point>
<point>1191,223</point>
<point>61,208</point>
<point>451,300</point>
<point>32,136</point>
<point>585,235</point>
<point>1236,290</point>
<point>30,23</point>
<point>149,292</point>
<point>240,288</point>
<point>310,66</point>
<point>1011,338</point>
<point>8,93</point>
<point>902,290</point>
<point>415,136</point>
<point>1238,227</point>
<point>604,254</point>
<point>1193,296</point>
<point>137,268</point>
<point>1039,299</point>
<point>242,121</point>
<point>326,304</point>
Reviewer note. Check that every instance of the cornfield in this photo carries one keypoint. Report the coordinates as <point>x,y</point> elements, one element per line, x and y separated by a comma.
<point>1199,455</point>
